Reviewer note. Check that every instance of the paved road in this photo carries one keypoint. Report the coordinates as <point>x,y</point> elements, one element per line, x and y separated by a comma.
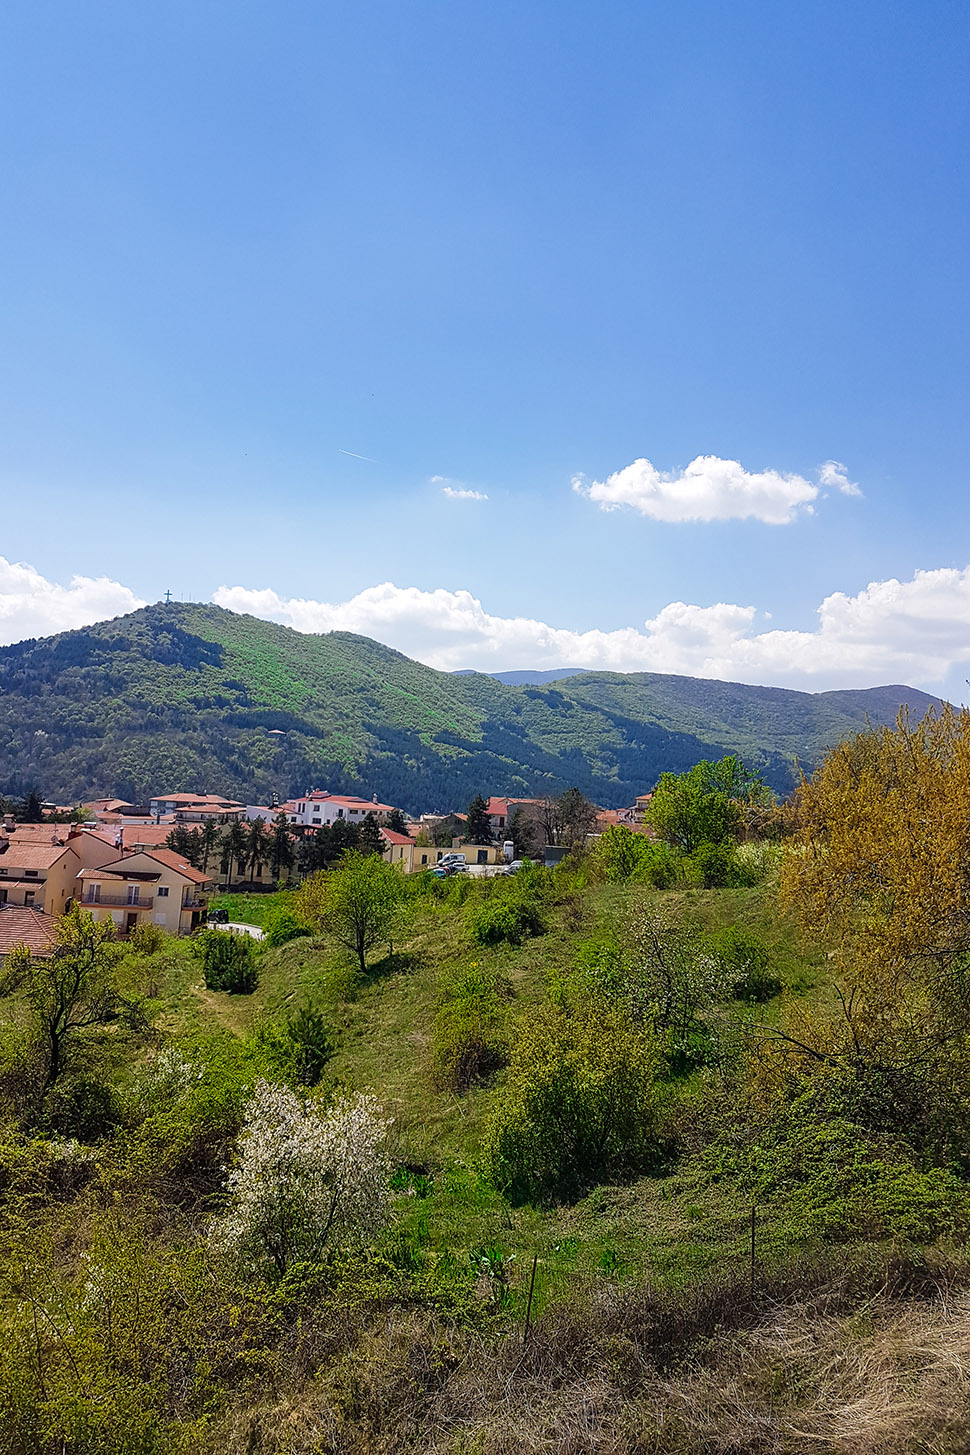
<point>235,928</point>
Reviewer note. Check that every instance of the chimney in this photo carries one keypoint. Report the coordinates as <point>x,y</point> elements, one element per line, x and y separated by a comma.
<point>8,822</point>
<point>375,797</point>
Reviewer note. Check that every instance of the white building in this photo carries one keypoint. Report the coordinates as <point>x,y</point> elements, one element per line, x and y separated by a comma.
<point>315,809</point>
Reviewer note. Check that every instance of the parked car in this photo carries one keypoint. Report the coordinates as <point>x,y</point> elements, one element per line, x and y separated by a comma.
<point>218,916</point>
<point>515,866</point>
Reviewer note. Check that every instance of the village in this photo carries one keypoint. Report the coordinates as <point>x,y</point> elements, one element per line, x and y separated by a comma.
<point>159,863</point>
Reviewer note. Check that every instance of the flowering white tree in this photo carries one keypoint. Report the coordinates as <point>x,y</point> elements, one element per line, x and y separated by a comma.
<point>305,1177</point>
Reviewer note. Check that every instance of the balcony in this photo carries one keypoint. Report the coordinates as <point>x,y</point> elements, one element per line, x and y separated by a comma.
<point>194,904</point>
<point>118,901</point>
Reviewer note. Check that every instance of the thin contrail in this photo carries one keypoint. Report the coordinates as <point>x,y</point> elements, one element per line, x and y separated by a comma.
<point>356,456</point>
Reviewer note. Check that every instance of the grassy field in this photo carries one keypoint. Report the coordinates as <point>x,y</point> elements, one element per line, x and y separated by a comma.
<point>673,1226</point>
<point>650,1332</point>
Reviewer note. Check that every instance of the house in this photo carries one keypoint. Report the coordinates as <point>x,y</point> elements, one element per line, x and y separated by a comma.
<point>151,886</point>
<point>90,846</point>
<point>317,808</point>
<point>37,875</point>
<point>98,807</point>
<point>413,857</point>
<point>140,836</point>
<point>399,849</point>
<point>30,927</point>
<point>606,817</point>
<point>500,810</point>
<point>195,807</point>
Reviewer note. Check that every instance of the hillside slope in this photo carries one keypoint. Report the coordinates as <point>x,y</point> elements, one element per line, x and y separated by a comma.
<point>186,696</point>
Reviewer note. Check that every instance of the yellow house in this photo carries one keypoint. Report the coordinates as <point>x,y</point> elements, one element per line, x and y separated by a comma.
<point>37,875</point>
<point>398,849</point>
<point>156,886</point>
<point>412,857</point>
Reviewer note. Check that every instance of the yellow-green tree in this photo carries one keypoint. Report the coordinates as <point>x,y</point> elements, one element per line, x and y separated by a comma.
<point>880,864</point>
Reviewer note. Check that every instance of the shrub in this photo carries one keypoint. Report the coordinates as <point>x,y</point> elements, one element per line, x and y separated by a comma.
<point>579,1106</point>
<point>469,1038</point>
<point>281,925</point>
<point>658,974</point>
<point>758,860</point>
<point>624,855</point>
<point>147,939</point>
<point>842,1182</point>
<point>81,1107</point>
<point>747,963</point>
<point>719,866</point>
<point>508,917</point>
<point>228,961</point>
<point>304,1179</point>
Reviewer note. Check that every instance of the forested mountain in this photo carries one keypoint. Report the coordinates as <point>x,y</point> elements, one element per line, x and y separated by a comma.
<point>528,676</point>
<point>186,697</point>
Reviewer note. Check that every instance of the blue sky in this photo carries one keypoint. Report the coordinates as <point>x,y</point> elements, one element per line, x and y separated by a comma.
<point>496,249</point>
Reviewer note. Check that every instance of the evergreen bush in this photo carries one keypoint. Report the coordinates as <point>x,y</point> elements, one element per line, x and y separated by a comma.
<point>228,961</point>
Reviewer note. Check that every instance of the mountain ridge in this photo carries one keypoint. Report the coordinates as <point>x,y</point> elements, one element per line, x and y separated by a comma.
<point>186,696</point>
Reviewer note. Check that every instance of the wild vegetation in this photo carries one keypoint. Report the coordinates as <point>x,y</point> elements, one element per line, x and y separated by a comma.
<point>664,1150</point>
<point>188,697</point>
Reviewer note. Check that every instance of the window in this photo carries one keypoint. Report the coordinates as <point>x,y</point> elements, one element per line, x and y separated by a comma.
<point>30,873</point>
<point>3,896</point>
<point>133,893</point>
<point>162,892</point>
<point>94,894</point>
<point>29,898</point>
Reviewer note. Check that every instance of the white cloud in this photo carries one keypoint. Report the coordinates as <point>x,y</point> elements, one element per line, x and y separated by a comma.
<point>834,476</point>
<point>454,489</point>
<point>912,631</point>
<point>32,606</point>
<point>453,494</point>
<point>712,489</point>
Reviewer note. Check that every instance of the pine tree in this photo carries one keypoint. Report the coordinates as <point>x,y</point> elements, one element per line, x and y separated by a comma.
<point>478,828</point>
<point>33,812</point>
<point>235,842</point>
<point>257,847</point>
<point>370,836</point>
<point>396,821</point>
<point>208,838</point>
<point>187,843</point>
<point>281,847</point>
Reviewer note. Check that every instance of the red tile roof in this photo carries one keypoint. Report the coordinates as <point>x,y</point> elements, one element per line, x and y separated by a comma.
<point>502,806</point>
<point>171,860</point>
<point>124,869</point>
<point>32,855</point>
<point>391,837</point>
<point>24,926</point>
<point>349,800</point>
<point>151,835</point>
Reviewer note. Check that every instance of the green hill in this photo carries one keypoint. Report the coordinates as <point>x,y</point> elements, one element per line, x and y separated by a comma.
<point>190,697</point>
